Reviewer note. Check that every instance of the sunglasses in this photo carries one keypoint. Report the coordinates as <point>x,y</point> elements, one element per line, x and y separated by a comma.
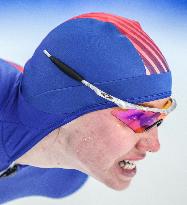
<point>138,118</point>
<point>140,121</point>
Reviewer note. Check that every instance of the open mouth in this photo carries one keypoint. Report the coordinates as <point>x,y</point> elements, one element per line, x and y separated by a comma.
<point>127,168</point>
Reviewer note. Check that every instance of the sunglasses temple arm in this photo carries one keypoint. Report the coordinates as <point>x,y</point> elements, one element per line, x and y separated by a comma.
<point>73,74</point>
<point>106,96</point>
<point>64,68</point>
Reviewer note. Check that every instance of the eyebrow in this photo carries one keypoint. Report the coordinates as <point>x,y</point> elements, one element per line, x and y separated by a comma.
<point>147,104</point>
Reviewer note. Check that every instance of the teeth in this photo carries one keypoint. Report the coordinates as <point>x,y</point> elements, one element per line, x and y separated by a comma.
<point>127,164</point>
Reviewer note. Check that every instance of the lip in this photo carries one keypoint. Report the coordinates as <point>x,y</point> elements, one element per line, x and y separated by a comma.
<point>134,158</point>
<point>124,174</point>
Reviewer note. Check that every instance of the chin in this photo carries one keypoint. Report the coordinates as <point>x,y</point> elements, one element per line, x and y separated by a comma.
<point>118,186</point>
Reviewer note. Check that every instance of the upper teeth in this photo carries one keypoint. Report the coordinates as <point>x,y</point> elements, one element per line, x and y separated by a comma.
<point>127,164</point>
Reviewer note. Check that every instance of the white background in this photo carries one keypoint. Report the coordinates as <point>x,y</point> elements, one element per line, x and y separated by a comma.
<point>162,176</point>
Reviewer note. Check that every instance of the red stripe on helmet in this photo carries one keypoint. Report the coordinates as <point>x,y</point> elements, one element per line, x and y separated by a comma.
<point>150,53</point>
<point>18,67</point>
<point>131,25</point>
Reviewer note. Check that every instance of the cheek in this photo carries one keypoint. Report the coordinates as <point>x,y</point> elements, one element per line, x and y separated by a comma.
<point>118,139</point>
<point>99,148</point>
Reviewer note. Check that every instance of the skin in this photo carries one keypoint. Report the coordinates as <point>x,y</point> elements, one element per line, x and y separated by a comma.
<point>94,144</point>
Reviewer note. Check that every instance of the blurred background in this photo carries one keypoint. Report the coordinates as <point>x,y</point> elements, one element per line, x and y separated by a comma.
<point>162,176</point>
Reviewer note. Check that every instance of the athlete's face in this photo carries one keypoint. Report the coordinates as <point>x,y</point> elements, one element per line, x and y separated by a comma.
<point>95,143</point>
<point>99,141</point>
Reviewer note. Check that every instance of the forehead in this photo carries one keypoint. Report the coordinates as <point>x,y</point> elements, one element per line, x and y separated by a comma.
<point>156,103</point>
